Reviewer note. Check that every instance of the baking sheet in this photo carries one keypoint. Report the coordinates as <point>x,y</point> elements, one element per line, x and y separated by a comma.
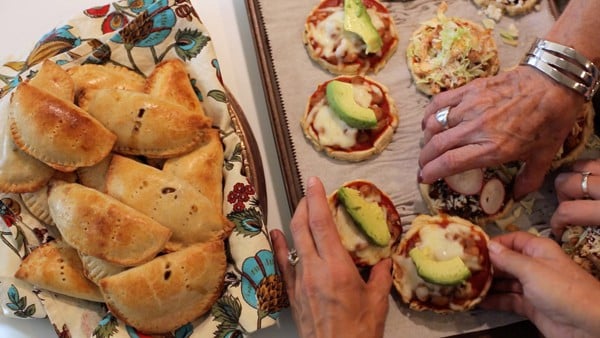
<point>290,77</point>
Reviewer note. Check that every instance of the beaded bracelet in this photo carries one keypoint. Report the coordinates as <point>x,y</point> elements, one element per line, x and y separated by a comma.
<point>564,65</point>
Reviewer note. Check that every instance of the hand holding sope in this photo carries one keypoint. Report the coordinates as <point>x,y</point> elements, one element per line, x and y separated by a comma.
<point>326,291</point>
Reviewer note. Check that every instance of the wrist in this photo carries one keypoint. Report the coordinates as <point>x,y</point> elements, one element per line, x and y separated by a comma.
<point>565,66</point>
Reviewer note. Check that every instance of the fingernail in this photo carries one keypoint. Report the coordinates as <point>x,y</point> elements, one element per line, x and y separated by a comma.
<point>495,247</point>
<point>274,234</point>
<point>311,181</point>
<point>420,176</point>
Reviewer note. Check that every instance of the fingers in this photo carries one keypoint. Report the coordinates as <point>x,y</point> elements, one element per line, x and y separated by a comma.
<point>322,227</point>
<point>579,212</point>
<point>449,98</point>
<point>380,279</point>
<point>569,186</point>
<point>300,230</point>
<point>509,302</point>
<point>439,162</point>
<point>281,256</point>
<point>434,123</point>
<point>506,254</point>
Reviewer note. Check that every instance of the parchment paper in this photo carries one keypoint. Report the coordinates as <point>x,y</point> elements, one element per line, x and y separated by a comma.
<point>395,170</point>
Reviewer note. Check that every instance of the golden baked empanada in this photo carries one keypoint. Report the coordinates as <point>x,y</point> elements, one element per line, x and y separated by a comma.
<point>99,225</point>
<point>91,76</point>
<point>37,204</point>
<point>19,172</point>
<point>144,124</point>
<point>55,266</point>
<point>95,268</point>
<point>55,80</point>
<point>170,81</point>
<point>72,138</point>
<point>190,280</point>
<point>169,200</point>
<point>203,167</point>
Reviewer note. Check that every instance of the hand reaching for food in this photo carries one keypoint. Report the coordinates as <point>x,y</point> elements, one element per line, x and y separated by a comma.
<point>534,278</point>
<point>489,123</point>
<point>326,291</point>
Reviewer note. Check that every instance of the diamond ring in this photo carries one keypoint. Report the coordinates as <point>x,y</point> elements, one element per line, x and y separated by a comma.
<point>442,116</point>
<point>584,184</point>
<point>293,257</point>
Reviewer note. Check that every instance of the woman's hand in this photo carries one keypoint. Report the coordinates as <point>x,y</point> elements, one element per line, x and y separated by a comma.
<point>516,115</point>
<point>534,278</point>
<point>327,294</point>
<point>575,208</point>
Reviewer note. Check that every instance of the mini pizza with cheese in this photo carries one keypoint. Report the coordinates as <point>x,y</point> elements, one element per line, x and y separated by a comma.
<point>350,118</point>
<point>508,7</point>
<point>442,264</point>
<point>478,195</point>
<point>448,52</point>
<point>349,37</point>
<point>367,221</point>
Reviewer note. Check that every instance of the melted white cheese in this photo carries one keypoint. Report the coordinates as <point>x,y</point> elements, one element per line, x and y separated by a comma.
<point>331,130</point>
<point>438,240</point>
<point>334,40</point>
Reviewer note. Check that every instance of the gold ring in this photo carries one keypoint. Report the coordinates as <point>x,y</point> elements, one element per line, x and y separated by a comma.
<point>584,184</point>
<point>293,257</point>
<point>442,116</point>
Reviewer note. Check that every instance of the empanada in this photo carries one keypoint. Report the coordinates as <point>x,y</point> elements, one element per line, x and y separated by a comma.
<point>170,81</point>
<point>72,138</point>
<point>167,199</point>
<point>55,80</point>
<point>55,266</point>
<point>145,125</point>
<point>203,167</point>
<point>19,172</point>
<point>99,225</point>
<point>95,268</point>
<point>190,280</point>
<point>91,76</point>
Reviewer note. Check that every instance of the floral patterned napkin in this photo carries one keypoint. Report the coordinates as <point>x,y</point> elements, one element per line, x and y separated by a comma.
<point>139,34</point>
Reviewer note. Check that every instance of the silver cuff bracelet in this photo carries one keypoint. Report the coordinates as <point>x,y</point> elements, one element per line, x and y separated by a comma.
<point>564,65</point>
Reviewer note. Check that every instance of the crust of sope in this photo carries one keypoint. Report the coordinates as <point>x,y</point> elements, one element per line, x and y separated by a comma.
<point>382,141</point>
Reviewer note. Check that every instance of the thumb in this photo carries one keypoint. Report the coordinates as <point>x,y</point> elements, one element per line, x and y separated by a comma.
<point>531,177</point>
<point>380,278</point>
<point>509,261</point>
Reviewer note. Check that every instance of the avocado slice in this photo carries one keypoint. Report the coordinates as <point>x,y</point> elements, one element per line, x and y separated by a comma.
<point>340,96</point>
<point>449,272</point>
<point>368,216</point>
<point>358,21</point>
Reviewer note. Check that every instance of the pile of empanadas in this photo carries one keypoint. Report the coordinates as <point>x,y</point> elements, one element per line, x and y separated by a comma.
<point>126,173</point>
